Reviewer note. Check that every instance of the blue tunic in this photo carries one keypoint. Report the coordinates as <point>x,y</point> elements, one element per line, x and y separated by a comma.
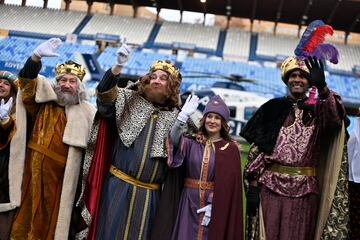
<point>125,210</point>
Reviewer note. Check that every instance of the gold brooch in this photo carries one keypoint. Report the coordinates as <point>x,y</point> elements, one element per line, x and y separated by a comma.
<point>224,147</point>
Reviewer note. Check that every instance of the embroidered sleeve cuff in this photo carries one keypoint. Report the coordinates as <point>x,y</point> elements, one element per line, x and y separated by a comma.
<point>28,86</point>
<point>107,96</point>
<point>24,82</point>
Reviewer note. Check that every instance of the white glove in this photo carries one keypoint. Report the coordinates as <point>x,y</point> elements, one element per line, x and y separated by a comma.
<point>207,215</point>
<point>5,108</point>
<point>123,53</point>
<point>190,106</point>
<point>48,48</point>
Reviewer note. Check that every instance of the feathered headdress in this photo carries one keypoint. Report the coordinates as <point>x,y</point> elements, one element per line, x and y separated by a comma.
<point>311,43</point>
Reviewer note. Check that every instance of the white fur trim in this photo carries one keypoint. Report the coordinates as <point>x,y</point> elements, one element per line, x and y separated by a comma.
<point>44,91</point>
<point>72,171</point>
<point>17,156</point>
<point>79,117</point>
<point>79,121</point>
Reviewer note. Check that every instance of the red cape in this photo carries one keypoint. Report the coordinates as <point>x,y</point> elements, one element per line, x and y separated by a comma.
<point>227,206</point>
<point>98,169</point>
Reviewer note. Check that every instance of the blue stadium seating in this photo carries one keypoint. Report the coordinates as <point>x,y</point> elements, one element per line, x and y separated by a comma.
<point>266,80</point>
<point>15,49</point>
<point>195,71</point>
<point>138,63</point>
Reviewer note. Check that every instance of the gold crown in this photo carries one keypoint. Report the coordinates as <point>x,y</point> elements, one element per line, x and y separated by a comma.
<point>290,64</point>
<point>70,67</point>
<point>166,66</point>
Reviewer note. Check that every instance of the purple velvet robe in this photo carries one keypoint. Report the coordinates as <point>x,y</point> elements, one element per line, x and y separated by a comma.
<point>293,199</point>
<point>225,171</point>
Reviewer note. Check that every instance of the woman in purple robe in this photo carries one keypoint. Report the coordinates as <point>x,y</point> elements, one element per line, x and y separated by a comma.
<point>211,201</point>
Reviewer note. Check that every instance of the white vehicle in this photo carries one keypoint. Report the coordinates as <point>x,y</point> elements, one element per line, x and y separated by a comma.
<point>242,104</point>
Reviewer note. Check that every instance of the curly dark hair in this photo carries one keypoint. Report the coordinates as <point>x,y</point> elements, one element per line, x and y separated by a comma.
<point>224,131</point>
<point>173,88</point>
<point>13,93</point>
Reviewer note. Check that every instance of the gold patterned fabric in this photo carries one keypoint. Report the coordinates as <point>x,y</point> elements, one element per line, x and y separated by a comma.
<point>292,171</point>
<point>337,225</point>
<point>290,64</point>
<point>107,96</point>
<point>43,176</point>
<point>252,221</point>
<point>354,209</point>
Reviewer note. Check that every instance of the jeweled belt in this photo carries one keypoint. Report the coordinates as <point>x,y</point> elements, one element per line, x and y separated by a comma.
<point>293,171</point>
<point>194,183</point>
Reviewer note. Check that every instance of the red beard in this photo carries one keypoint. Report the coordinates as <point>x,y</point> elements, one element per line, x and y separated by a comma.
<point>156,94</point>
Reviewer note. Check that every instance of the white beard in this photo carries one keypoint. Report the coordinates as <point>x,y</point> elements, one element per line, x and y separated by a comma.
<point>66,99</point>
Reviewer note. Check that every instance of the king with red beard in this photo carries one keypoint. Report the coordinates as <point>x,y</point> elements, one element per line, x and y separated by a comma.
<point>125,162</point>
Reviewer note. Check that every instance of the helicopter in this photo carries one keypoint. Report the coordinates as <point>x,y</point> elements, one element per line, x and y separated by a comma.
<point>242,104</point>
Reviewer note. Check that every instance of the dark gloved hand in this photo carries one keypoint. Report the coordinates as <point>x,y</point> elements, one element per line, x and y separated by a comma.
<point>317,75</point>
<point>253,199</point>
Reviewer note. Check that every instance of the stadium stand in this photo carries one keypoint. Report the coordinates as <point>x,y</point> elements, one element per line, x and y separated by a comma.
<point>237,45</point>
<point>266,80</point>
<point>17,50</point>
<point>349,57</point>
<point>204,37</point>
<point>270,45</point>
<point>203,72</point>
<point>217,55</point>
<point>347,86</point>
<point>136,30</point>
<point>39,20</point>
<point>138,63</point>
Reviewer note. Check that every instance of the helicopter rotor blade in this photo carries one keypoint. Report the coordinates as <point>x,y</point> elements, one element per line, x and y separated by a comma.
<point>242,80</point>
<point>208,74</point>
<point>204,76</point>
<point>231,77</point>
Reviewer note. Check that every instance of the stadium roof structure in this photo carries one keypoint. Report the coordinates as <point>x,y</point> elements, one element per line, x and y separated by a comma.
<point>343,15</point>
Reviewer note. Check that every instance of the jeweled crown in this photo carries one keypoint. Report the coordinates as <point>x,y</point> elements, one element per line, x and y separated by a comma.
<point>289,65</point>
<point>165,66</point>
<point>70,67</point>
